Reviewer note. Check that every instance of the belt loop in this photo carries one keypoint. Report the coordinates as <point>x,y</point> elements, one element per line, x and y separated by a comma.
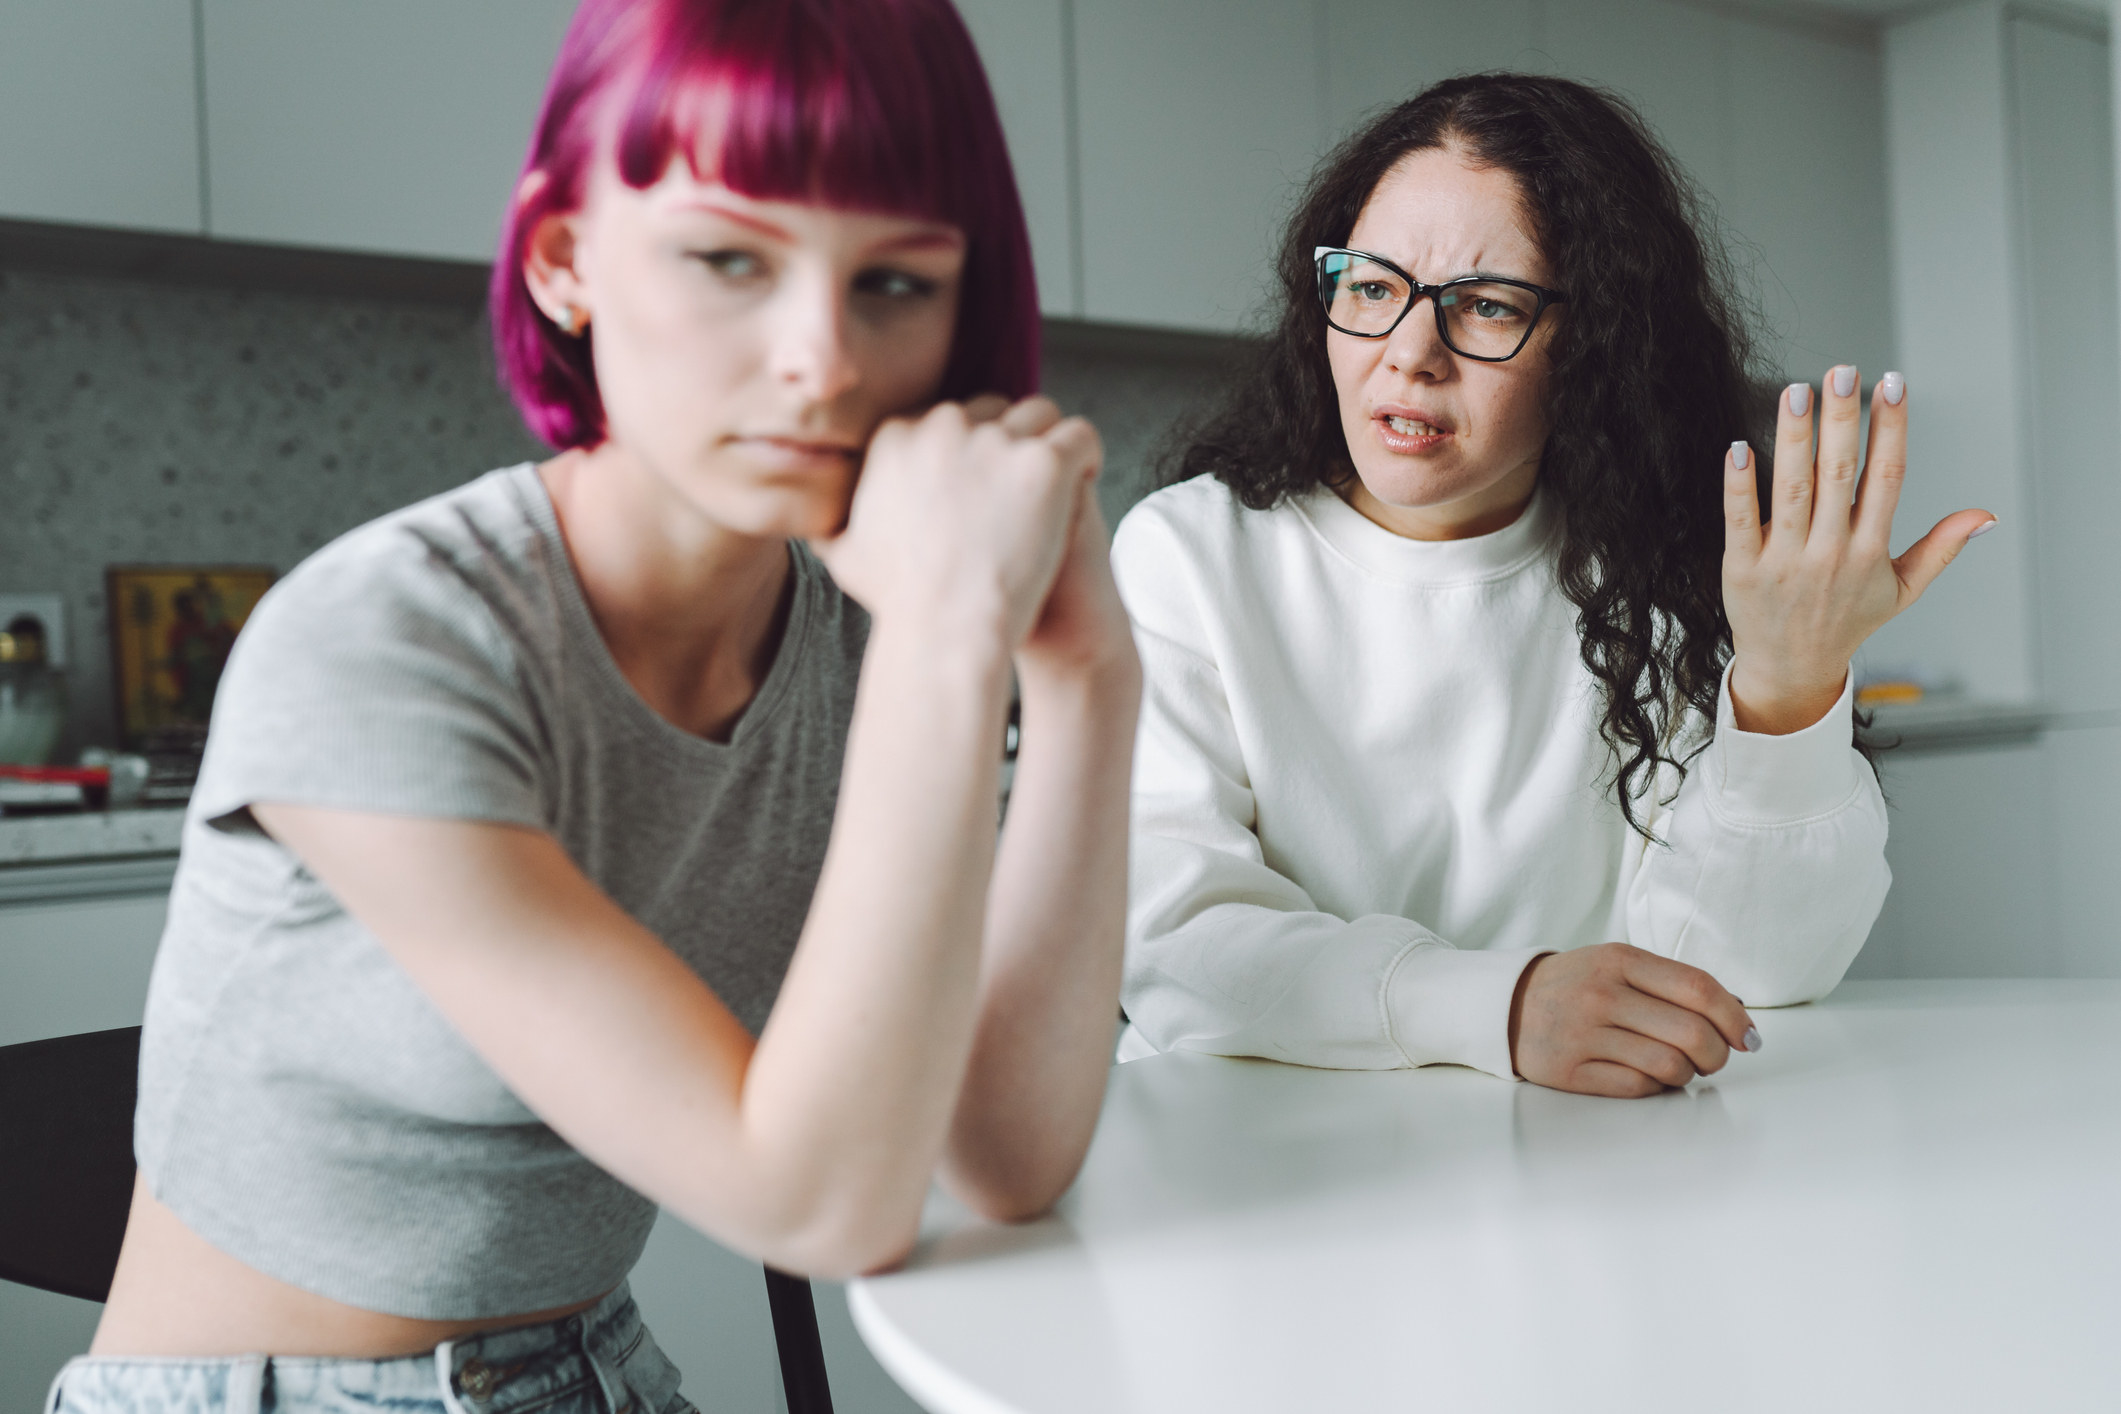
<point>596,1367</point>
<point>446,1374</point>
<point>246,1384</point>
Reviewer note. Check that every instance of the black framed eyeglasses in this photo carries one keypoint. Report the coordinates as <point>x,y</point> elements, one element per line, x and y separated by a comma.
<point>1480,316</point>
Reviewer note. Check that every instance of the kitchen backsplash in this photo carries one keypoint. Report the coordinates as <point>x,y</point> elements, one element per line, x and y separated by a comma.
<point>150,422</point>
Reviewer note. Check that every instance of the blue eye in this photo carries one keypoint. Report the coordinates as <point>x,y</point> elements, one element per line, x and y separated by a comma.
<point>731,264</point>
<point>894,285</point>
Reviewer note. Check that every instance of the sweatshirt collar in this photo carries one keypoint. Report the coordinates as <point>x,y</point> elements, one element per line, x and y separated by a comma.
<point>1495,555</point>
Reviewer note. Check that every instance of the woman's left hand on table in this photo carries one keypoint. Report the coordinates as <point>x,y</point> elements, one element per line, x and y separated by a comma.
<point>1805,590</point>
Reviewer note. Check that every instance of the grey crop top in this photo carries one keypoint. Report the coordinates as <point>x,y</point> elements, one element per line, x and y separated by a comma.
<point>303,1106</point>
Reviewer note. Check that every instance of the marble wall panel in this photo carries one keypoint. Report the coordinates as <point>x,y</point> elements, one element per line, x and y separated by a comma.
<point>156,422</point>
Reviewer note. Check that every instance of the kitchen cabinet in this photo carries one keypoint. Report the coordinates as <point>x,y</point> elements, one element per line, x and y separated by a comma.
<point>2062,120</point>
<point>1670,59</point>
<point>1805,194</point>
<point>42,1332</point>
<point>1158,144</point>
<point>1779,121</point>
<point>99,119</point>
<point>1024,46</point>
<point>2003,859</point>
<point>1198,121</point>
<point>65,967</point>
<point>1379,52</point>
<point>2003,263</point>
<point>1195,138</point>
<point>77,965</point>
<point>82,965</point>
<point>393,126</point>
<point>1972,870</point>
<point>398,126</point>
<point>2063,151</point>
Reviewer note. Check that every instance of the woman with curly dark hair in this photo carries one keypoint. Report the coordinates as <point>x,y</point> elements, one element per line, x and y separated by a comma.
<point>1485,723</point>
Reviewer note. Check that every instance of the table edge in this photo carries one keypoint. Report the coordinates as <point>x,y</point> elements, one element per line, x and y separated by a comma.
<point>932,1385</point>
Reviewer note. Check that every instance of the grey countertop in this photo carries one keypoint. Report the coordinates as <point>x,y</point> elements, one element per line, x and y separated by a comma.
<point>1953,722</point>
<point>48,859</point>
<point>89,834</point>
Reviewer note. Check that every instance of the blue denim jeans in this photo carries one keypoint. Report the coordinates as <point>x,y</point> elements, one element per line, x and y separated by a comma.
<point>598,1361</point>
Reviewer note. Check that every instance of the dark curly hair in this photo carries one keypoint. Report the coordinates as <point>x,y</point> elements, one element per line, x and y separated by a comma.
<point>1650,382</point>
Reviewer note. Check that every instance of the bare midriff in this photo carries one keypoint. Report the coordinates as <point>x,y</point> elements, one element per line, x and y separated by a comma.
<point>175,1294</point>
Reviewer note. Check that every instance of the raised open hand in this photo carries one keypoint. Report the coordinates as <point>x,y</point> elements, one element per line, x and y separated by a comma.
<point>1804,591</point>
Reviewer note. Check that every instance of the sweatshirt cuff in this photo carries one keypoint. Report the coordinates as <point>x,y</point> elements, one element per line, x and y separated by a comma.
<point>1758,779</point>
<point>1449,1007</point>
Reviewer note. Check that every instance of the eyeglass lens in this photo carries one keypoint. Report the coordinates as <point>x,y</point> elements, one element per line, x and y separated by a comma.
<point>1483,319</point>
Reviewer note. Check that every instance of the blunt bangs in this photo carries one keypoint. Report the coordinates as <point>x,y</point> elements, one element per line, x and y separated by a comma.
<point>865,105</point>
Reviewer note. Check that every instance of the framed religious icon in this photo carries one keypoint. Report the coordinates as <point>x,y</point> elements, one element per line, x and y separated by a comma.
<point>171,629</point>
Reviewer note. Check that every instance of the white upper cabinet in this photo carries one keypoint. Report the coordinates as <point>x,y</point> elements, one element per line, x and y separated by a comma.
<point>1669,59</point>
<point>2061,114</point>
<point>1806,202</point>
<point>1199,120</point>
<point>373,125</point>
<point>1159,145</point>
<point>398,126</point>
<point>1380,52</point>
<point>1023,44</point>
<point>1779,122</point>
<point>99,119</point>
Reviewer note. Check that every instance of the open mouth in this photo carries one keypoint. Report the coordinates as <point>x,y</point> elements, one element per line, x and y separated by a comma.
<point>1414,427</point>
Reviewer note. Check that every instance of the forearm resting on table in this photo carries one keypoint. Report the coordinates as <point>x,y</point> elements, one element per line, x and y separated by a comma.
<point>1056,924</point>
<point>811,1149</point>
<point>864,1056</point>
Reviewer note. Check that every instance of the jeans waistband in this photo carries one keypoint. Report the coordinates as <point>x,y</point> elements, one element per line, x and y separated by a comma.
<point>551,1367</point>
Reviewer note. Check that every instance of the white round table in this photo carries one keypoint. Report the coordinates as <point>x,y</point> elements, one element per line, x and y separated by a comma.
<point>1910,1199</point>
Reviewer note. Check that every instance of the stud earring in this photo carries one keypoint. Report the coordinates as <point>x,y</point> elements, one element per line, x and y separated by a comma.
<point>573,321</point>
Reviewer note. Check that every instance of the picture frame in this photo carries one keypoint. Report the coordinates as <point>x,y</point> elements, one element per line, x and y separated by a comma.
<point>171,629</point>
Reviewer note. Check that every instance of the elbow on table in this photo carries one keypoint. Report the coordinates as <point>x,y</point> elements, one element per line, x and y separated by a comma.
<point>1761,1000</point>
<point>1013,1172</point>
<point>834,1222</point>
<point>1014,1198</point>
<point>1780,986</point>
<point>840,1250</point>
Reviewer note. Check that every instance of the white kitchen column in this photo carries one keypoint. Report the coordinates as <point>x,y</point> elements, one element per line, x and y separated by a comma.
<point>1957,292</point>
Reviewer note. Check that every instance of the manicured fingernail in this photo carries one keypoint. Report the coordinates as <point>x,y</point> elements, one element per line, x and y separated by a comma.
<point>1844,381</point>
<point>1800,399</point>
<point>1982,529</point>
<point>1892,388</point>
<point>1752,1038</point>
<point>1741,455</point>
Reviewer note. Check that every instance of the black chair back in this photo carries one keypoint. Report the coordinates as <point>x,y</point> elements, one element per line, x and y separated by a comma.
<point>66,1185</point>
<point>66,1159</point>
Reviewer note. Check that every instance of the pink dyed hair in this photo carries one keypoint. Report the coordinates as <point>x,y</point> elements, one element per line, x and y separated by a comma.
<point>866,105</point>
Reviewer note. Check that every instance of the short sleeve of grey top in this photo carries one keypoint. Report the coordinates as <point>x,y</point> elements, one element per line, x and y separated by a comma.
<point>303,1106</point>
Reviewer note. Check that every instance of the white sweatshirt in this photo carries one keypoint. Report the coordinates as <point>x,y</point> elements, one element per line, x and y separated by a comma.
<point>1370,788</point>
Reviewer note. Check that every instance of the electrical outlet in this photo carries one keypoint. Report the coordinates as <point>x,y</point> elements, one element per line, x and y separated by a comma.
<point>47,609</point>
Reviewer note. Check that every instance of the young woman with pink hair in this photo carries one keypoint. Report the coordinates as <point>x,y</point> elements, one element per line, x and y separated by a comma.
<point>620,830</point>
